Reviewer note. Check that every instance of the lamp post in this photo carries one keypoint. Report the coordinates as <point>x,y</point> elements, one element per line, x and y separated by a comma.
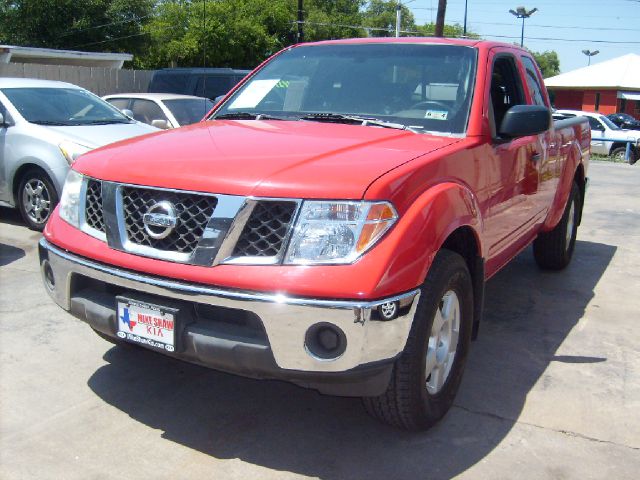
<point>522,13</point>
<point>399,15</point>
<point>590,54</point>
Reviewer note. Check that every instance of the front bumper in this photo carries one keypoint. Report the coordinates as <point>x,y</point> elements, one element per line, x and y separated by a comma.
<point>248,333</point>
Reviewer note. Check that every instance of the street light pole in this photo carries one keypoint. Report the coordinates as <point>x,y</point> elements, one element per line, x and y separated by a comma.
<point>522,13</point>
<point>398,18</point>
<point>590,54</point>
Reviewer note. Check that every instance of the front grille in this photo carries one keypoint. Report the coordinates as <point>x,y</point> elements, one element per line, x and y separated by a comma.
<point>193,212</point>
<point>93,209</point>
<point>264,233</point>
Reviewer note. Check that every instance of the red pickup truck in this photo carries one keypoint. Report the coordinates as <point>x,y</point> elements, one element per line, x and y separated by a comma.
<point>332,222</point>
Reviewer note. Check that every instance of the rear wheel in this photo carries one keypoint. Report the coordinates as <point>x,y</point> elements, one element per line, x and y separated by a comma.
<point>37,197</point>
<point>428,373</point>
<point>553,250</point>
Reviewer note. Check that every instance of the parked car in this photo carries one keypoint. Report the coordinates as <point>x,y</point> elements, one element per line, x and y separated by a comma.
<point>334,221</point>
<point>202,82</point>
<point>161,110</point>
<point>624,120</point>
<point>601,128</point>
<point>44,127</point>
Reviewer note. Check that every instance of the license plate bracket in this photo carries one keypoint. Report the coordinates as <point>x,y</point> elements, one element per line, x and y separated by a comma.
<point>147,324</point>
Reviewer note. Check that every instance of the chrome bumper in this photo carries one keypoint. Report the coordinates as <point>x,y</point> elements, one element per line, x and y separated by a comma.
<point>286,320</point>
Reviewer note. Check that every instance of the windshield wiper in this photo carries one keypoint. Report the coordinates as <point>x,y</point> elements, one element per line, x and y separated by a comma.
<point>354,119</point>
<point>51,123</point>
<point>246,116</point>
<point>104,122</point>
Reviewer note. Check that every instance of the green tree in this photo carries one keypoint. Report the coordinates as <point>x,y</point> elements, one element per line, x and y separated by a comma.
<point>94,25</point>
<point>381,14</point>
<point>224,33</point>
<point>548,62</point>
<point>451,31</point>
<point>331,19</point>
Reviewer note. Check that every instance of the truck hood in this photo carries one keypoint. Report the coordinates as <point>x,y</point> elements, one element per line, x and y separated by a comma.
<point>285,159</point>
<point>93,136</point>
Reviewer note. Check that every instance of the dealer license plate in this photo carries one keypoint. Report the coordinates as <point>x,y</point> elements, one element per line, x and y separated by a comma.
<point>146,324</point>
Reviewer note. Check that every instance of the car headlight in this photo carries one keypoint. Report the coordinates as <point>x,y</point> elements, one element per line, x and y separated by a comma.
<point>72,151</point>
<point>337,232</point>
<point>70,199</point>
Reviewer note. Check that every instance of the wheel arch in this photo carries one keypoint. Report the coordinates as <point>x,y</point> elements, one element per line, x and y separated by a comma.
<point>24,168</point>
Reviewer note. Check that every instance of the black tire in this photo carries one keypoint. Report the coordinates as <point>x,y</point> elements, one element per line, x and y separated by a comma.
<point>36,208</point>
<point>620,152</point>
<point>408,403</point>
<point>553,250</point>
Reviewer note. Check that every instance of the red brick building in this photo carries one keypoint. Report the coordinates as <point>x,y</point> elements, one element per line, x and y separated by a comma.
<point>607,87</point>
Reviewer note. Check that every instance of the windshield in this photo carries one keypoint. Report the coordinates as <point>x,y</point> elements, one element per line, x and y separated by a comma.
<point>189,110</point>
<point>422,87</point>
<point>609,123</point>
<point>63,106</point>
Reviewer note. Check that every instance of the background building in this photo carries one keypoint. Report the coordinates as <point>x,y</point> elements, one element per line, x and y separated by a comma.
<point>607,87</point>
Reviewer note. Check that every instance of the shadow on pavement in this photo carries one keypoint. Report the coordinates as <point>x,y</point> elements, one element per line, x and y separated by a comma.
<point>11,216</point>
<point>9,254</point>
<point>275,425</point>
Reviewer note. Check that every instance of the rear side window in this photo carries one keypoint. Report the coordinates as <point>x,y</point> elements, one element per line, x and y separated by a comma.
<point>533,82</point>
<point>119,103</point>
<point>147,111</point>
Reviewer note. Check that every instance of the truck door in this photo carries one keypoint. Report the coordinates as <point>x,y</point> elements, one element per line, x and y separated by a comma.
<point>512,210</point>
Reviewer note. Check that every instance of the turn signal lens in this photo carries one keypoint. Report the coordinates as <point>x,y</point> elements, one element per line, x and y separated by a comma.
<point>379,219</point>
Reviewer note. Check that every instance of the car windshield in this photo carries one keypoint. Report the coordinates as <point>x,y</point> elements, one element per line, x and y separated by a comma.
<point>609,123</point>
<point>189,110</point>
<point>63,106</point>
<point>418,87</point>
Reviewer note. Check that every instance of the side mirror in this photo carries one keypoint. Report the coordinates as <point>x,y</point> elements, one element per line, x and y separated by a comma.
<point>127,112</point>
<point>524,120</point>
<point>163,124</point>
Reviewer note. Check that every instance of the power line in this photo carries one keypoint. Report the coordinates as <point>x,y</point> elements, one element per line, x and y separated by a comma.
<point>75,30</point>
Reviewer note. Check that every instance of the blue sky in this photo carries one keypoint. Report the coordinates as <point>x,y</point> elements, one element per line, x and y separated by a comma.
<point>574,25</point>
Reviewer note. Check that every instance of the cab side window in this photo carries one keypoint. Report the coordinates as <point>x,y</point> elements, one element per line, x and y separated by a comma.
<point>506,88</point>
<point>533,82</point>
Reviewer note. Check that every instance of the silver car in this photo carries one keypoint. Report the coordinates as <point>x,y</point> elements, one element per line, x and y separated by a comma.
<point>44,127</point>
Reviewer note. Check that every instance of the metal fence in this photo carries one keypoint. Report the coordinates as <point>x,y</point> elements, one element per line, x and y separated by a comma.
<point>99,80</point>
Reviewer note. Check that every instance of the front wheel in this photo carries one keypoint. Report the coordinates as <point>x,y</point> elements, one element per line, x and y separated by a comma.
<point>428,373</point>
<point>553,250</point>
<point>619,155</point>
<point>37,197</point>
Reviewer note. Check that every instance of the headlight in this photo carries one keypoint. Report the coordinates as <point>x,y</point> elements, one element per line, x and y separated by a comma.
<point>72,151</point>
<point>70,199</point>
<point>337,232</point>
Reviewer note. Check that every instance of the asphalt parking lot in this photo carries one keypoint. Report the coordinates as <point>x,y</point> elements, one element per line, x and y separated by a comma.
<point>551,391</point>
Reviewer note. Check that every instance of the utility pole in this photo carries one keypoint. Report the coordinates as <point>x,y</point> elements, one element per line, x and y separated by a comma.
<point>464,28</point>
<point>398,18</point>
<point>442,7</point>
<point>300,21</point>
<point>522,13</point>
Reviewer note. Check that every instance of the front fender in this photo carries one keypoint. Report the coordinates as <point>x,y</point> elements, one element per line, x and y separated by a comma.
<point>425,226</point>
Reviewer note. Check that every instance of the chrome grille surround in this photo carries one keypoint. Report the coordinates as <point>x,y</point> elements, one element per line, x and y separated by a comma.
<point>211,229</point>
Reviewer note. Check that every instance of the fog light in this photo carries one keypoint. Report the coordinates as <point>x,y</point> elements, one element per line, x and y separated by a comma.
<point>325,341</point>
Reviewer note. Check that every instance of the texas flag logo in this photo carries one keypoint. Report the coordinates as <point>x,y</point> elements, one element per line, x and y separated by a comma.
<point>127,320</point>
